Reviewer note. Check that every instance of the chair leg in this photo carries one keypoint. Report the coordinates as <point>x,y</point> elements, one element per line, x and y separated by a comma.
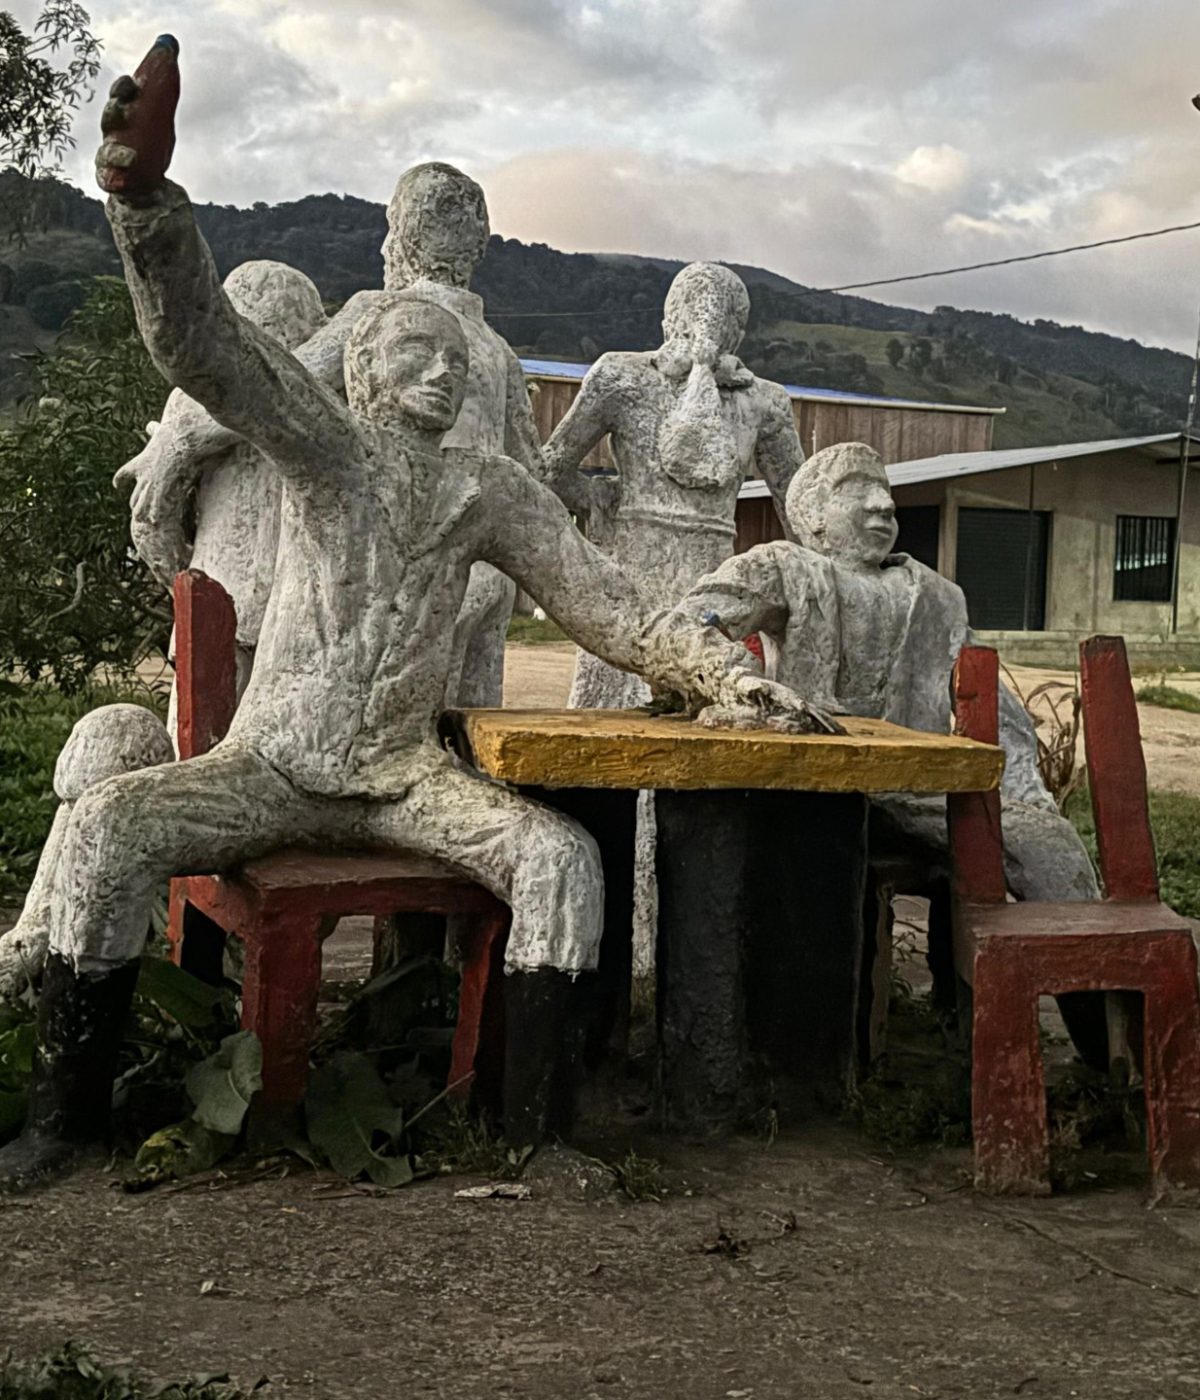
<point>176,907</point>
<point>477,1060</point>
<point>1172,1069</point>
<point>1008,1093</point>
<point>280,986</point>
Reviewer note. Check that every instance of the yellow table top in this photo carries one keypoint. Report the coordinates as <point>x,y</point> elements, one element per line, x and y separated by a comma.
<point>634,749</point>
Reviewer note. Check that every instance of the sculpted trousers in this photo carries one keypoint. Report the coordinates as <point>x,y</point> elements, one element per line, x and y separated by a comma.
<point>129,834</point>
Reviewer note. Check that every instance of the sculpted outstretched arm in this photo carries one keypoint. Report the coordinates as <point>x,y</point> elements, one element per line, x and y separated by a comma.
<point>249,383</point>
<point>778,455</point>
<point>744,594</point>
<point>597,604</point>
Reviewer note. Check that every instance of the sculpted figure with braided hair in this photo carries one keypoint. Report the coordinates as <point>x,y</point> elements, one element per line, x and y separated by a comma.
<point>335,740</point>
<point>686,424</point>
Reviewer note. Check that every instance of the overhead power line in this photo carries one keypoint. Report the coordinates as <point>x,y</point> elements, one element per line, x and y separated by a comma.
<point>882,281</point>
<point>1005,262</point>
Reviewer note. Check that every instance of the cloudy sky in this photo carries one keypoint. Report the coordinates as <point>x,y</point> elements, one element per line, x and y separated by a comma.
<point>831,140</point>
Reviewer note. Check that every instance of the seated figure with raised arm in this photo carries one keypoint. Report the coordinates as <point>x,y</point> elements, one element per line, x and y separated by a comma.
<point>335,741</point>
<point>864,631</point>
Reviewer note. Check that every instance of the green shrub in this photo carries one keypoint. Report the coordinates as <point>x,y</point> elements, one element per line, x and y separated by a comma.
<point>1175,820</point>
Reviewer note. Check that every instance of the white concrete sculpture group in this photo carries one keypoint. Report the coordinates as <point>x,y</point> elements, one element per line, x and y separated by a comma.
<point>369,490</point>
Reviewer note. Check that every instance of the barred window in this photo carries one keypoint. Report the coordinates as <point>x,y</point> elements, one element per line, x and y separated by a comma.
<point>1145,559</point>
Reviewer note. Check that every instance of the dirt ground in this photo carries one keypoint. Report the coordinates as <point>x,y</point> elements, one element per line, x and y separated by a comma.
<point>815,1266</point>
<point>812,1267</point>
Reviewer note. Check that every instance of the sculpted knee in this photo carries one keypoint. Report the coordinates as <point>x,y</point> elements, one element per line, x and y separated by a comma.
<point>105,742</point>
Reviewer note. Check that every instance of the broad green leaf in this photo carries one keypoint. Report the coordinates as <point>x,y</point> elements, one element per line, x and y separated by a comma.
<point>184,998</point>
<point>353,1123</point>
<point>180,1150</point>
<point>13,1107</point>
<point>16,1055</point>
<point>222,1086</point>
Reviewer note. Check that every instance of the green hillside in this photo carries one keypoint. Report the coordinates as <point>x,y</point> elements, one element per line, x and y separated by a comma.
<point>1058,383</point>
<point>1038,408</point>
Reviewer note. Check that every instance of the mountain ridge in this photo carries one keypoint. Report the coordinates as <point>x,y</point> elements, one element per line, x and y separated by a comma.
<point>1059,383</point>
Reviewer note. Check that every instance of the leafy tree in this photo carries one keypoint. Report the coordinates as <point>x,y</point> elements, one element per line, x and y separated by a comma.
<point>38,96</point>
<point>74,595</point>
<point>920,352</point>
<point>894,351</point>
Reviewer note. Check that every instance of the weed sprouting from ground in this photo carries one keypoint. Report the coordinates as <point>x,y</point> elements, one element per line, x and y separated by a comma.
<point>1169,697</point>
<point>72,1373</point>
<point>640,1178</point>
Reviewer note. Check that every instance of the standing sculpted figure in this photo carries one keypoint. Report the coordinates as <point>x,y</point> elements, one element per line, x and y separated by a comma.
<point>437,234</point>
<point>236,508</point>
<point>868,632</point>
<point>686,423</point>
<point>335,740</point>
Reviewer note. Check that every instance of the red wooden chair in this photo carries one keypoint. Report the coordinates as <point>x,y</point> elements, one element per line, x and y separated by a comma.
<point>283,906</point>
<point>1013,953</point>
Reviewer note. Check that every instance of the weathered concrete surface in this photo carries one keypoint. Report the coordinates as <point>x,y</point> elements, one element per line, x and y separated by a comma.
<point>631,749</point>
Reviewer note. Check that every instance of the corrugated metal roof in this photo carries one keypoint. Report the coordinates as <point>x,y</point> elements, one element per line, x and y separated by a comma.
<point>571,369</point>
<point>954,464</point>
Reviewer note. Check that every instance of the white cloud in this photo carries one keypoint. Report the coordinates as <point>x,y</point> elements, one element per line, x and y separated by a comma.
<point>936,168</point>
<point>831,143</point>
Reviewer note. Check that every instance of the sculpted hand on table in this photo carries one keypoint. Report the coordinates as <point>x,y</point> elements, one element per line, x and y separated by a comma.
<point>335,741</point>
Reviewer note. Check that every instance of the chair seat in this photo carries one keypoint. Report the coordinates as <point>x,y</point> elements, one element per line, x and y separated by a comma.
<point>354,882</point>
<point>1081,945</point>
<point>1077,918</point>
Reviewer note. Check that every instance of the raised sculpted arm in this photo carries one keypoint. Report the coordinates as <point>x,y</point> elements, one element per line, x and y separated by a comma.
<point>584,425</point>
<point>778,455</point>
<point>597,605</point>
<point>248,382</point>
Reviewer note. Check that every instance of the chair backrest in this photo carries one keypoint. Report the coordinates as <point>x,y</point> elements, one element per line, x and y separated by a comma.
<point>205,662</point>
<point>976,841</point>
<point>1116,767</point>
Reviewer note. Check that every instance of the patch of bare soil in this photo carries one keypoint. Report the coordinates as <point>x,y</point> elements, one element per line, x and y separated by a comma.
<point>1170,738</point>
<point>811,1267</point>
<point>538,676</point>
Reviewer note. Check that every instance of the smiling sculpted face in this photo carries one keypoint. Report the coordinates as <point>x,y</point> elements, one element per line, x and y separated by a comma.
<point>840,504</point>
<point>406,365</point>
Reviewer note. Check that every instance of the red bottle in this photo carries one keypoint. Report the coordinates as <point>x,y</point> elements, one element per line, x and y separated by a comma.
<point>150,127</point>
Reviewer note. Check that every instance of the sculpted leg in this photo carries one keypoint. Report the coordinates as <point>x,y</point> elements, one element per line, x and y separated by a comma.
<point>110,740</point>
<point>123,838</point>
<point>547,868</point>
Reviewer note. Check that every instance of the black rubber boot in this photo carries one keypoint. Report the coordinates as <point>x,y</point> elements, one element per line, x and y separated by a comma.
<point>81,1021</point>
<point>544,1033</point>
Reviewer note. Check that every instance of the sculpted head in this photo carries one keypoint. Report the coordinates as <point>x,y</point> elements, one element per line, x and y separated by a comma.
<point>437,227</point>
<point>707,305</point>
<point>283,301</point>
<point>406,365</point>
<point>840,504</point>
